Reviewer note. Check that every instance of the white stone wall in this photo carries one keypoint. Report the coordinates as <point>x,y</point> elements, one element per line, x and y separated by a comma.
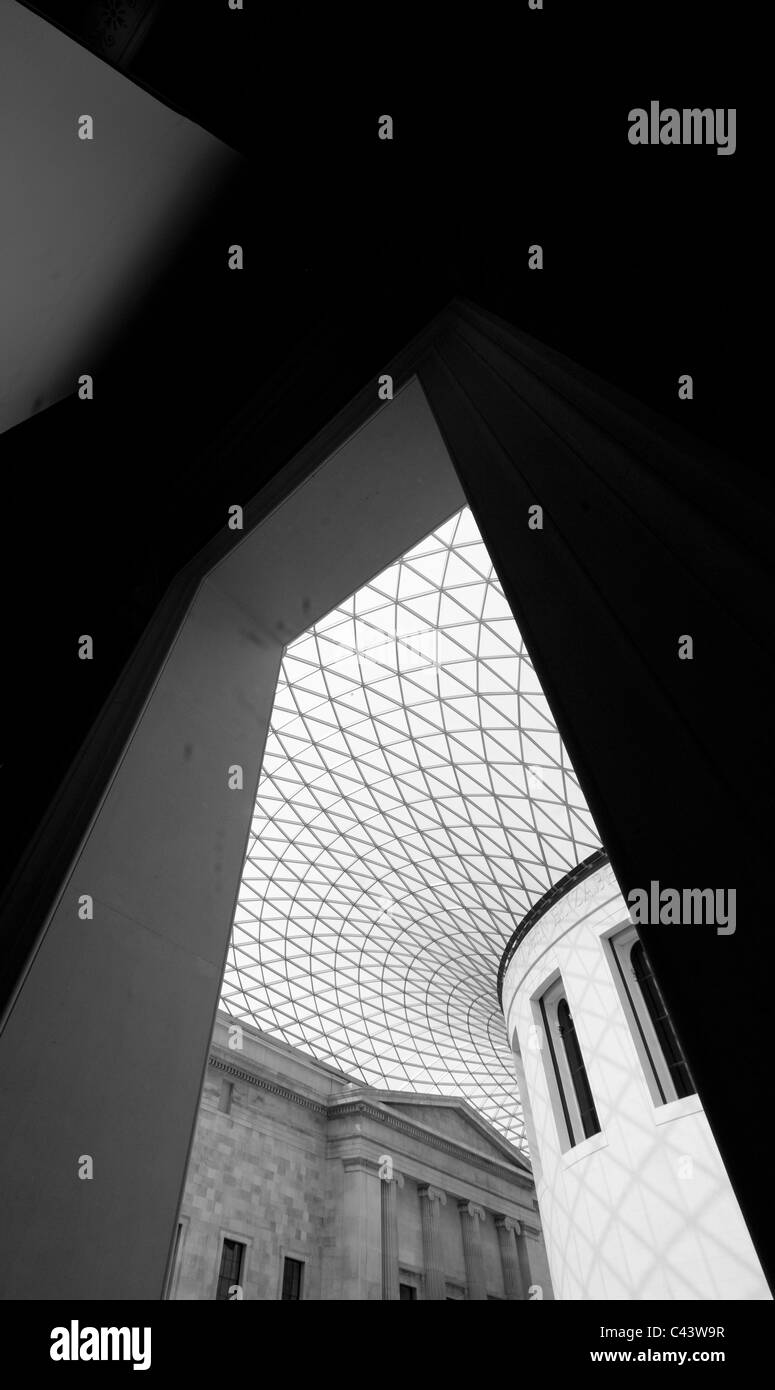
<point>643,1210</point>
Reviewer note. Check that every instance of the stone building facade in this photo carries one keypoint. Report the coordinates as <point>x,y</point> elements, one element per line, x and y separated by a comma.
<point>305,1184</point>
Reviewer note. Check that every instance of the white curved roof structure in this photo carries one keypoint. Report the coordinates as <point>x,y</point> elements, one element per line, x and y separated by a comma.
<point>415,801</point>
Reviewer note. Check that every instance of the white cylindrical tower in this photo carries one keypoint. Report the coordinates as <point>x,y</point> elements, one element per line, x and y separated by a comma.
<point>635,1201</point>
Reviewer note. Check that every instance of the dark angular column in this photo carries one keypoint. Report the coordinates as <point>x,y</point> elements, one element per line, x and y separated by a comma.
<point>647,535</point>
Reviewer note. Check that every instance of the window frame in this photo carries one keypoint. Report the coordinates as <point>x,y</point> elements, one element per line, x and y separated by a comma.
<point>414,1279</point>
<point>239,1239</point>
<point>285,1260</point>
<point>571,1130</point>
<point>661,1086</point>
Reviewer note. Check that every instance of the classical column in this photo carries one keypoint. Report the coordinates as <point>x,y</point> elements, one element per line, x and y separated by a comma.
<point>524,1261</point>
<point>431,1198</point>
<point>508,1230</point>
<point>470,1216</point>
<point>389,1183</point>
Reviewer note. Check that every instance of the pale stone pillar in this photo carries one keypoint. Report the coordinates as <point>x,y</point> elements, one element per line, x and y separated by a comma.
<point>389,1206</point>
<point>524,1261</point>
<point>508,1230</point>
<point>360,1253</point>
<point>431,1198</point>
<point>470,1216</point>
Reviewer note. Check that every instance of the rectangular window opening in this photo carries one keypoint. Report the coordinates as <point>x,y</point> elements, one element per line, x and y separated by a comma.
<point>230,1273</point>
<point>292,1280</point>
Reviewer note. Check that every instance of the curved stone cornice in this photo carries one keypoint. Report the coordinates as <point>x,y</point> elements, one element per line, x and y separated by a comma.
<point>562,890</point>
<point>596,894</point>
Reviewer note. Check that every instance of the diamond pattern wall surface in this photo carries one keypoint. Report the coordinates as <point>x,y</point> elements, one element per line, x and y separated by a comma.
<point>415,801</point>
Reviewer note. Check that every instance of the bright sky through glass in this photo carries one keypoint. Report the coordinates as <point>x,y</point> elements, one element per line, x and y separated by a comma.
<point>415,801</point>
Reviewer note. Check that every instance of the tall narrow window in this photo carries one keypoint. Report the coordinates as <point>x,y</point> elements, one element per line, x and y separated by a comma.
<point>664,1065</point>
<point>589,1121</point>
<point>292,1277</point>
<point>574,1104</point>
<point>671,1049</point>
<point>230,1273</point>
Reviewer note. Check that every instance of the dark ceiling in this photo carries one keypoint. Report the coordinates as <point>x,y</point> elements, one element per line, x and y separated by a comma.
<point>510,129</point>
<point>505,134</point>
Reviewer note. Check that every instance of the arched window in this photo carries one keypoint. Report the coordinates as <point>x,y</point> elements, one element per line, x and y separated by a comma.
<point>569,1086</point>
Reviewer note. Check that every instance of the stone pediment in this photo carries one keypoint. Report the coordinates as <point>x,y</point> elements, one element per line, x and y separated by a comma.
<point>454,1120</point>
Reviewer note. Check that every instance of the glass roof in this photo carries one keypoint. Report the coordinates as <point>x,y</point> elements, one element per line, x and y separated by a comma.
<point>415,801</point>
